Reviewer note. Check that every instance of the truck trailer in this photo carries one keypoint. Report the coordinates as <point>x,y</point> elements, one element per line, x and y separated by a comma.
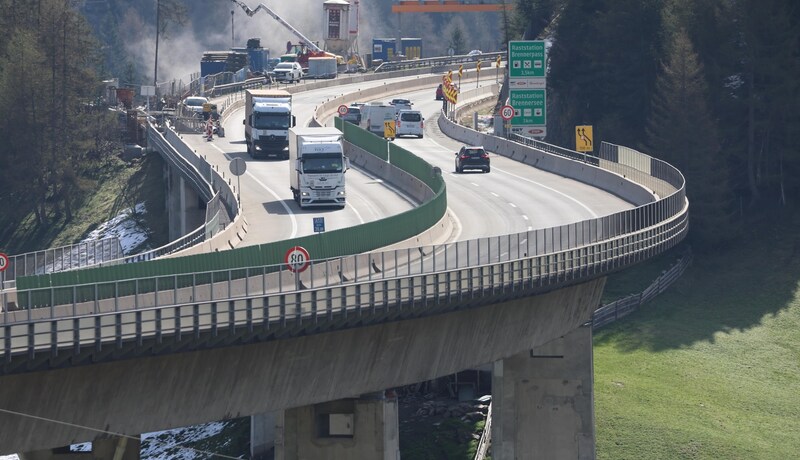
<point>316,166</point>
<point>268,117</point>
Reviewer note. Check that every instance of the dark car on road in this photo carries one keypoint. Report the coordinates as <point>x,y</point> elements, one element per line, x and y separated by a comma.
<point>472,157</point>
<point>353,115</point>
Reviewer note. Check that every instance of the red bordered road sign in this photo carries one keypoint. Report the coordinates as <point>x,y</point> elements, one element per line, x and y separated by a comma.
<point>507,112</point>
<point>3,262</point>
<point>343,110</point>
<point>297,259</point>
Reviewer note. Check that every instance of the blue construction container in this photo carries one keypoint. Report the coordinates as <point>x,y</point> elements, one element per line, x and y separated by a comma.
<point>383,49</point>
<point>412,47</point>
<point>257,57</point>
<point>211,67</point>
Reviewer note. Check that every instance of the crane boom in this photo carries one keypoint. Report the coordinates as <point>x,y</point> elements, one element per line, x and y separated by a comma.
<point>303,40</point>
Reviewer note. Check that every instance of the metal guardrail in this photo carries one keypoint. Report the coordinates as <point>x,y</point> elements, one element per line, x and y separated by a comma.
<point>442,61</point>
<point>620,308</point>
<point>69,257</point>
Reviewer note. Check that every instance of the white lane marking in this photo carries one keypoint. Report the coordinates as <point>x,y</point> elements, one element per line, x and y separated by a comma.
<point>512,205</point>
<point>525,217</point>
<point>280,200</point>
<point>272,192</point>
<point>495,195</point>
<point>473,183</point>
<point>589,210</point>
<point>532,182</point>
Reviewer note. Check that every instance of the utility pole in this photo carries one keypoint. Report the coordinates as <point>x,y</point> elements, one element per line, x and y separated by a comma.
<point>158,29</point>
<point>233,39</point>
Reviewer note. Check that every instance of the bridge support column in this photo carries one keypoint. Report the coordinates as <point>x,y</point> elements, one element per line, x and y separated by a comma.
<point>103,448</point>
<point>185,207</point>
<point>263,428</point>
<point>366,427</point>
<point>543,401</point>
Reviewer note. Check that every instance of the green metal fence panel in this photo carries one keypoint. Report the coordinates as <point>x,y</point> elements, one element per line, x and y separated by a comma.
<point>363,139</point>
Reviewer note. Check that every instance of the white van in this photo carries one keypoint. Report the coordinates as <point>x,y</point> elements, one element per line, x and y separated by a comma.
<point>410,123</point>
<point>373,114</point>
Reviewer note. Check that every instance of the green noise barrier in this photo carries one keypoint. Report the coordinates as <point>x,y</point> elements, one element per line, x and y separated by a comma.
<point>171,273</point>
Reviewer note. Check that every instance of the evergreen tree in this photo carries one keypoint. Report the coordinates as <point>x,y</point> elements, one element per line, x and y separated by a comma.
<point>603,66</point>
<point>682,132</point>
<point>457,40</point>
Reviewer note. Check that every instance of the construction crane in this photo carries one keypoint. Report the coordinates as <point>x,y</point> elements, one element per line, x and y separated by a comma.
<point>308,48</point>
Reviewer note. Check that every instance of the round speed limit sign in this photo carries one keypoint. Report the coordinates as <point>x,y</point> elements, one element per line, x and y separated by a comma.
<point>3,262</point>
<point>343,110</point>
<point>507,112</point>
<point>297,259</point>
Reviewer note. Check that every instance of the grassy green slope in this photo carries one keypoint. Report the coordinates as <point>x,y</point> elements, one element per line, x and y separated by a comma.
<point>710,369</point>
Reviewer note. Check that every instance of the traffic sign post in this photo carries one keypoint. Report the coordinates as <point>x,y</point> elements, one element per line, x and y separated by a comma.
<point>388,129</point>
<point>584,138</point>
<point>4,262</point>
<point>342,110</point>
<point>297,259</point>
<point>319,224</point>
<point>507,112</point>
<point>529,107</point>
<point>238,166</point>
<point>526,60</point>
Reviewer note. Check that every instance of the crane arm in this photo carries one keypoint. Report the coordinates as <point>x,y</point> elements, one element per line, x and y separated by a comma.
<point>305,41</point>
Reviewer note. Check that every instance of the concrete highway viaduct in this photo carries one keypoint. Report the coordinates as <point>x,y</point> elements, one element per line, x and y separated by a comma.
<point>319,380</point>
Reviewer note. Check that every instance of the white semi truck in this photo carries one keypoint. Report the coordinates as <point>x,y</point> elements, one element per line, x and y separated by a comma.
<point>316,166</point>
<point>267,119</point>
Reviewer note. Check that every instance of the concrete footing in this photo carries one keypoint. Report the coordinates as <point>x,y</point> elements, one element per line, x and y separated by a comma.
<point>366,427</point>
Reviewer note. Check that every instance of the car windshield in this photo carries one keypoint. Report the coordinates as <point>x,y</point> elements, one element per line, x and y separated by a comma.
<point>271,121</point>
<point>285,66</point>
<point>410,117</point>
<point>354,110</point>
<point>473,152</point>
<point>322,163</point>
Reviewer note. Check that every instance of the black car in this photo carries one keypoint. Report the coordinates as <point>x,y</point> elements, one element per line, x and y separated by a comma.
<point>472,157</point>
<point>353,115</point>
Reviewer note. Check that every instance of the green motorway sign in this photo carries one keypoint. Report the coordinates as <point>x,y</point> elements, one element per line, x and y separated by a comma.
<point>526,59</point>
<point>529,107</point>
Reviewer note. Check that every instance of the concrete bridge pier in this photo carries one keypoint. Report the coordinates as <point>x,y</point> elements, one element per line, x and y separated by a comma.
<point>365,427</point>
<point>543,401</point>
<point>186,209</point>
<point>104,447</point>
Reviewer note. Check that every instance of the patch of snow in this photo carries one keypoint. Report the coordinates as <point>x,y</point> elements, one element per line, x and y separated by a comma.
<point>124,227</point>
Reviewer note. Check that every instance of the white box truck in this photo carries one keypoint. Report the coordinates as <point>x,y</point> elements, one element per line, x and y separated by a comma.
<point>373,114</point>
<point>321,67</point>
<point>267,119</point>
<point>316,166</point>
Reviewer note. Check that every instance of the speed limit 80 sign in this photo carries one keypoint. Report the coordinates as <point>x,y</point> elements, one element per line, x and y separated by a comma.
<point>297,259</point>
